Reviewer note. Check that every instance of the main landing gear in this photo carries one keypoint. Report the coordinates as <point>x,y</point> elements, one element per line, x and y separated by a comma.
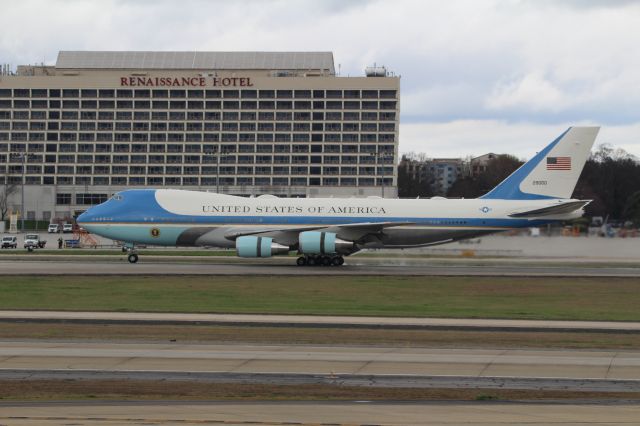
<point>322,260</point>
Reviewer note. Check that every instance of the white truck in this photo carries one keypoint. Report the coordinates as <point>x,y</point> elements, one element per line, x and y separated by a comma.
<point>33,241</point>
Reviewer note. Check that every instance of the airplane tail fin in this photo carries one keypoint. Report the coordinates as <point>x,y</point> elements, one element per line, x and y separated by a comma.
<point>551,173</point>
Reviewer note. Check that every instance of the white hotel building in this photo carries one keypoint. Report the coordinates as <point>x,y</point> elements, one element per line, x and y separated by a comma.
<point>243,123</point>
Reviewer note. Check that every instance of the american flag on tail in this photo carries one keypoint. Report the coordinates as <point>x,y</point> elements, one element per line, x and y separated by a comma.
<point>558,163</point>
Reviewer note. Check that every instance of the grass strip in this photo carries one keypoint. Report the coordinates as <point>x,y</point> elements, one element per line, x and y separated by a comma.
<point>606,299</point>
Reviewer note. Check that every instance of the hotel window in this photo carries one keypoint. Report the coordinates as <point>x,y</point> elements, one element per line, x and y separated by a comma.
<point>213,94</point>
<point>301,127</point>
<point>231,94</point>
<point>63,199</point>
<point>334,94</point>
<point>104,93</point>
<point>302,94</point>
<point>142,93</point>
<point>267,94</point>
<point>118,180</point>
<point>70,93</point>
<point>249,94</point>
<point>177,93</point>
<point>160,94</point>
<point>352,94</point>
<point>123,93</point>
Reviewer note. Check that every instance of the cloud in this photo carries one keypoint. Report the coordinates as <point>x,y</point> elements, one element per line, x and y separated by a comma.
<point>530,93</point>
<point>461,138</point>
<point>545,63</point>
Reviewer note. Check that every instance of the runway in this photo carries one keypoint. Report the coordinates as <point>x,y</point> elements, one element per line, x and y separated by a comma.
<point>355,266</point>
<point>317,321</point>
<point>405,367</point>
<point>317,413</point>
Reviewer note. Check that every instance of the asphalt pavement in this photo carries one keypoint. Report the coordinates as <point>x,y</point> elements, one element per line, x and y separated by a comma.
<point>317,413</point>
<point>89,265</point>
<point>403,367</point>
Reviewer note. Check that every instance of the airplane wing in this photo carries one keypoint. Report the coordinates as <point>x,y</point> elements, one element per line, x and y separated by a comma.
<point>558,209</point>
<point>351,231</point>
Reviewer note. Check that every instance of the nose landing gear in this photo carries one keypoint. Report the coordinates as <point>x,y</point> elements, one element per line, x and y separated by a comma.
<point>132,257</point>
<point>323,260</point>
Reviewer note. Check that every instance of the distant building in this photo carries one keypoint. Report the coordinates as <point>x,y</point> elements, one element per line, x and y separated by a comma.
<point>438,174</point>
<point>442,173</point>
<point>478,165</point>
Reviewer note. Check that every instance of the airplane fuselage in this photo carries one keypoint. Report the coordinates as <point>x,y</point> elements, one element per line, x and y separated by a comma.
<point>191,218</point>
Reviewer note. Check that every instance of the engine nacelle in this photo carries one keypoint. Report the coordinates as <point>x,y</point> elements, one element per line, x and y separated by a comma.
<point>314,242</point>
<point>251,246</point>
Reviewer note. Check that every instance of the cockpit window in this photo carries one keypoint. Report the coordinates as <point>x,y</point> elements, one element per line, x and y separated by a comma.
<point>117,197</point>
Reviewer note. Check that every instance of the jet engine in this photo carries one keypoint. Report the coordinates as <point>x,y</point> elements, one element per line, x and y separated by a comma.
<point>314,242</point>
<point>251,246</point>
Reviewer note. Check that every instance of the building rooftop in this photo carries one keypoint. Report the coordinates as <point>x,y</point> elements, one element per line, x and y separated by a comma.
<point>196,60</point>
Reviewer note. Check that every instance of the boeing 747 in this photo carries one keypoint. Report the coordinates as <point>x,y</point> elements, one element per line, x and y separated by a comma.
<point>324,230</point>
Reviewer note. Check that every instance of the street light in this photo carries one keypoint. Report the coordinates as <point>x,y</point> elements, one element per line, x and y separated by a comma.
<point>23,158</point>
<point>380,155</point>
<point>219,152</point>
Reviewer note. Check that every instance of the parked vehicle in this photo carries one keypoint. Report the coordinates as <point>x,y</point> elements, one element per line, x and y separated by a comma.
<point>33,241</point>
<point>53,228</point>
<point>9,242</point>
<point>67,228</point>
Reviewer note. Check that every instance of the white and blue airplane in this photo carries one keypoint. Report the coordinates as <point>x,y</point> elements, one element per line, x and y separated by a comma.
<point>323,230</point>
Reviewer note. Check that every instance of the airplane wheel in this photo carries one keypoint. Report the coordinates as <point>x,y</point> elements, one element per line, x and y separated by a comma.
<point>337,261</point>
<point>132,258</point>
<point>326,261</point>
<point>301,261</point>
<point>340,260</point>
<point>311,261</point>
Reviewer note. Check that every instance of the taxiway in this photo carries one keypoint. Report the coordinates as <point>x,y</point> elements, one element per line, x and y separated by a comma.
<point>584,369</point>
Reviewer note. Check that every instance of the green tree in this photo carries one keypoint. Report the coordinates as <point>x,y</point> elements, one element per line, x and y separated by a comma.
<point>632,209</point>
<point>498,169</point>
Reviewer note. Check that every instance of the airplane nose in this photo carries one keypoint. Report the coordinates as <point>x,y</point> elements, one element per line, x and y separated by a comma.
<point>85,217</point>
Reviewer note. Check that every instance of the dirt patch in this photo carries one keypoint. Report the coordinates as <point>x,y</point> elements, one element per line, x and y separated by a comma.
<point>176,390</point>
<point>301,335</point>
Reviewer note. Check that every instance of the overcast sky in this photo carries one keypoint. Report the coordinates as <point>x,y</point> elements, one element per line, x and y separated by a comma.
<point>477,76</point>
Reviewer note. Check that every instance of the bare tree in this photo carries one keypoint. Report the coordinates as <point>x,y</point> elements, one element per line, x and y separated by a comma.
<point>6,190</point>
